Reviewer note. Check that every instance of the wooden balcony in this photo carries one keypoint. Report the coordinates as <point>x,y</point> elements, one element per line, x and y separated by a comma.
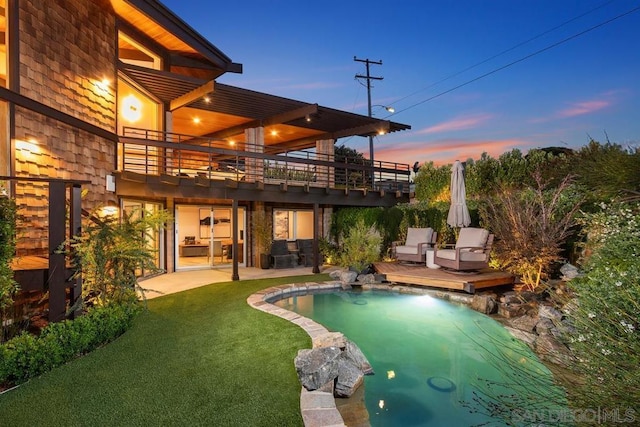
<point>173,165</point>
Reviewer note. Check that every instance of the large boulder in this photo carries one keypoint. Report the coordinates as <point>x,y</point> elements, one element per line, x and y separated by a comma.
<point>317,367</point>
<point>356,357</point>
<point>349,378</point>
<point>332,368</point>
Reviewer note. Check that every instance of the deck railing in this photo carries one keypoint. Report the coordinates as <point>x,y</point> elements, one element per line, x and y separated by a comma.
<point>164,153</point>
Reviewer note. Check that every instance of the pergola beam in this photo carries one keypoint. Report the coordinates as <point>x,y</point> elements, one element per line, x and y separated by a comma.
<point>366,130</point>
<point>285,117</point>
<point>192,96</point>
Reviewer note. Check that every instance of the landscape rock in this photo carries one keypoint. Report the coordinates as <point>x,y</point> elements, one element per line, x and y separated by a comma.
<point>356,357</point>
<point>335,274</point>
<point>317,366</point>
<point>544,326</point>
<point>330,339</point>
<point>527,337</point>
<point>366,278</point>
<point>347,276</point>
<point>509,311</point>
<point>332,369</point>
<point>569,272</point>
<point>548,312</point>
<point>349,378</point>
<point>484,304</point>
<point>524,323</point>
<point>552,350</point>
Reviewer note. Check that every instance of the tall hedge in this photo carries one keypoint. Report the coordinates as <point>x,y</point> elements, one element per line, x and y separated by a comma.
<point>8,285</point>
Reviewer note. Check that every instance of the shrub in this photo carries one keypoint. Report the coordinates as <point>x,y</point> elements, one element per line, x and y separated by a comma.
<point>605,315</point>
<point>360,247</point>
<point>530,226</point>
<point>27,356</point>
<point>8,285</point>
<point>111,253</point>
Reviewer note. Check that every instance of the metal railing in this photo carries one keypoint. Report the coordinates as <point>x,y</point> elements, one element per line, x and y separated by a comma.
<point>156,153</point>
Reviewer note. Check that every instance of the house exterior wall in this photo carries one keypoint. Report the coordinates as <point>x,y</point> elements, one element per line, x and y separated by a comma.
<point>66,49</point>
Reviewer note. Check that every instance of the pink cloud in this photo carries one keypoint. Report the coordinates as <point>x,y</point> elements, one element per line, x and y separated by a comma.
<point>459,123</point>
<point>445,151</point>
<point>587,107</point>
<point>575,109</point>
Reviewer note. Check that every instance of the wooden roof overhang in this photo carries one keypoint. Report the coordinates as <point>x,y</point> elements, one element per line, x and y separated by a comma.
<point>186,48</point>
<point>224,112</point>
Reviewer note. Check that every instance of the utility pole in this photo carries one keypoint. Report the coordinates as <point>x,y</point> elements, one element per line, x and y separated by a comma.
<point>368,77</point>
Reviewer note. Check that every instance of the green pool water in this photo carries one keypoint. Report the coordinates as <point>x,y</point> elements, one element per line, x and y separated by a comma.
<point>436,363</point>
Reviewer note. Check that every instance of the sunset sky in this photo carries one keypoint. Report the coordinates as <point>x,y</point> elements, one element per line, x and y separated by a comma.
<point>468,75</point>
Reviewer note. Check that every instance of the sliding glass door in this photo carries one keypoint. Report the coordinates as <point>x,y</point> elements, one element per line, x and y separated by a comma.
<point>204,236</point>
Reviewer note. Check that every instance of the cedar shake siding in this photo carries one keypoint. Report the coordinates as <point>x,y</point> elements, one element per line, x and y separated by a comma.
<point>66,49</point>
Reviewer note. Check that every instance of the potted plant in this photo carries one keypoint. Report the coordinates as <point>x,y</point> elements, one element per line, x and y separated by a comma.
<point>263,234</point>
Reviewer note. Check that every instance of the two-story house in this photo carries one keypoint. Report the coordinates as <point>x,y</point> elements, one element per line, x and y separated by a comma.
<point>120,100</point>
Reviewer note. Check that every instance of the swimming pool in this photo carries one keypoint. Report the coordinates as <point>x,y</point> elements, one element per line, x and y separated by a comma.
<point>436,363</point>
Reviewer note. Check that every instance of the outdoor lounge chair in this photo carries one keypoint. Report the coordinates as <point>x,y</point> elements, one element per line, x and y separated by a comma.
<point>471,251</point>
<point>280,255</point>
<point>415,247</point>
<point>305,246</point>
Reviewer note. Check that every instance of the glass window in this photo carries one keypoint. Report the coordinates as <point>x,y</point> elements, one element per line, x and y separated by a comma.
<point>131,52</point>
<point>292,225</point>
<point>3,43</point>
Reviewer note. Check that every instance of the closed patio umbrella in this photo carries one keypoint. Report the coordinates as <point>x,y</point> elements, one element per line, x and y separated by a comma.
<point>458,211</point>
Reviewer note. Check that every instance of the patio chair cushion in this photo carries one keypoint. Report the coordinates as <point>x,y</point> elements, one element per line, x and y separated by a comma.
<point>471,237</point>
<point>416,236</point>
<point>465,255</point>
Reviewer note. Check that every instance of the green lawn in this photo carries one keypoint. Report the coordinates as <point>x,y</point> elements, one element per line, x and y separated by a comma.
<point>200,357</point>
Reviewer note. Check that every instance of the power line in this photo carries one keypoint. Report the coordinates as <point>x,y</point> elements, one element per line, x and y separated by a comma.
<point>521,59</point>
<point>504,51</point>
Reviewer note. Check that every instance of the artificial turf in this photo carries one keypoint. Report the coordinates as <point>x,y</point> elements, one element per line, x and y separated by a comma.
<point>199,357</point>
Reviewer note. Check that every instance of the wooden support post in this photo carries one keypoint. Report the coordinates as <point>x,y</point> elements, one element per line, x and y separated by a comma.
<point>316,237</point>
<point>57,265</point>
<point>234,245</point>
<point>75,225</point>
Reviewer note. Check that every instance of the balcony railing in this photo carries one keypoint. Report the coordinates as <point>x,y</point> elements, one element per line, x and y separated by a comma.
<point>163,153</point>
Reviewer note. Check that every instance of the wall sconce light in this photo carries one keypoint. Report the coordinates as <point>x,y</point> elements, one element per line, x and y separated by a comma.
<point>307,118</point>
<point>206,99</point>
<point>110,210</point>
<point>29,144</point>
<point>131,108</point>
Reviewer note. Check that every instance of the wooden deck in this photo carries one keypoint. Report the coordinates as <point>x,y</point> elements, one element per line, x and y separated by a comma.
<point>417,274</point>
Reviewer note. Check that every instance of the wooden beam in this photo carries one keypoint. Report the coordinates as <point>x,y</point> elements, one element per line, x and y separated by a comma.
<point>192,96</point>
<point>54,114</point>
<point>169,179</point>
<point>366,130</point>
<point>285,117</point>
<point>202,181</point>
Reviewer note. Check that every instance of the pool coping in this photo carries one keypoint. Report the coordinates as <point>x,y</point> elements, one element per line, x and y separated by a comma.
<point>318,408</point>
